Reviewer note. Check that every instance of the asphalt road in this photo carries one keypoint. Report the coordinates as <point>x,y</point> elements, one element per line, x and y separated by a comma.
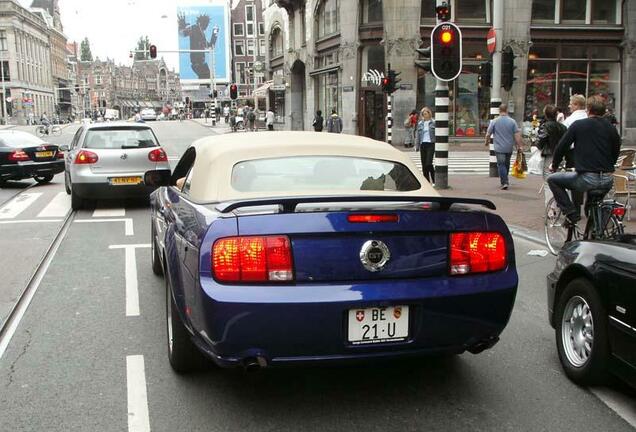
<point>90,354</point>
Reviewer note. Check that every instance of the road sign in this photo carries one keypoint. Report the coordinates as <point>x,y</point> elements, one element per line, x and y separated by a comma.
<point>491,40</point>
<point>278,87</point>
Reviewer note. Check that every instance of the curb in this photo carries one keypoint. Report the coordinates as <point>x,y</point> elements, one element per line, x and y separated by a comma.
<point>526,234</point>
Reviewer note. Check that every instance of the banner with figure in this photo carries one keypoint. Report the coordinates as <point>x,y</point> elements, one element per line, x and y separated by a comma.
<point>203,26</point>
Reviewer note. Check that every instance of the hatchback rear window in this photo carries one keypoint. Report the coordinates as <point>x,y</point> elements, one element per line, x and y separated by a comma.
<point>120,138</point>
<point>309,173</point>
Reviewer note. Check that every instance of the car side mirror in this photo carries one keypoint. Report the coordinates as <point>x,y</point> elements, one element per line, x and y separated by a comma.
<point>64,148</point>
<point>157,178</point>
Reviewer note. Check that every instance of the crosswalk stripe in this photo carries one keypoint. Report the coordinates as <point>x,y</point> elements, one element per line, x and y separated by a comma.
<point>58,207</point>
<point>109,212</point>
<point>462,163</point>
<point>18,204</point>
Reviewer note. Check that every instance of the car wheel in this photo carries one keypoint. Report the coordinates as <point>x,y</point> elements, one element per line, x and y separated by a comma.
<point>76,202</point>
<point>43,179</point>
<point>581,333</point>
<point>184,356</point>
<point>156,261</point>
<point>66,183</point>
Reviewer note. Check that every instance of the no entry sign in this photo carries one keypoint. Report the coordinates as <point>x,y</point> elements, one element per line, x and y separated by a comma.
<point>491,40</point>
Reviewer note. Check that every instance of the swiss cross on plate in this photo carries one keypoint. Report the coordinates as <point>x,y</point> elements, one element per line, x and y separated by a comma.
<point>360,315</point>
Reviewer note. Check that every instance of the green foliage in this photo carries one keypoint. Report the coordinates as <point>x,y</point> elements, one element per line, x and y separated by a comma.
<point>85,50</point>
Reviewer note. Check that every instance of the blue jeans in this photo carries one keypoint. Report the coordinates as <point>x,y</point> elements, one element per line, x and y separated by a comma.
<point>576,182</point>
<point>503,166</point>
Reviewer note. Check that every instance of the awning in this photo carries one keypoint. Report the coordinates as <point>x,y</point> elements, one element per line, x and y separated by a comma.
<point>264,88</point>
<point>324,70</point>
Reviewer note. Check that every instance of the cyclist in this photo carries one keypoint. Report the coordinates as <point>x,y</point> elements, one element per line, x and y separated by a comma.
<point>595,154</point>
<point>44,120</point>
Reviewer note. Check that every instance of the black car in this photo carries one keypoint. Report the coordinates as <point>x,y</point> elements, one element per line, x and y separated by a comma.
<point>23,155</point>
<point>592,307</point>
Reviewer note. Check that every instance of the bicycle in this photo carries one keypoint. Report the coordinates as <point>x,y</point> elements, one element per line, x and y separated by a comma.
<point>604,221</point>
<point>53,130</point>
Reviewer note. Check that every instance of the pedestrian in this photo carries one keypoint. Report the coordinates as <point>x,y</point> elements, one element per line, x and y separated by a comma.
<point>549,135</point>
<point>226,113</point>
<point>425,142</point>
<point>334,124</point>
<point>577,110</point>
<point>410,126</point>
<point>251,118</point>
<point>269,120</point>
<point>505,133</point>
<point>318,121</point>
<point>595,154</point>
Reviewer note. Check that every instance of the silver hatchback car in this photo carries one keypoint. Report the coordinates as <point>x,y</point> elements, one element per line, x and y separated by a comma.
<point>109,160</point>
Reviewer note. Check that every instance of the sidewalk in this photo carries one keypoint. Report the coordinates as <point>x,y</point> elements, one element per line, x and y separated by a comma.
<point>520,206</point>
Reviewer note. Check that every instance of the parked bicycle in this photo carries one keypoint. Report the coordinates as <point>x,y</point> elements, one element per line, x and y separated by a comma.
<point>51,130</point>
<point>604,221</point>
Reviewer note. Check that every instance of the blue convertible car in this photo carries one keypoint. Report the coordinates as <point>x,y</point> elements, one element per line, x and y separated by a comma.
<point>300,247</point>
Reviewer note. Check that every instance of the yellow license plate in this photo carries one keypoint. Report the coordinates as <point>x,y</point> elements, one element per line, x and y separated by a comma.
<point>125,180</point>
<point>44,154</point>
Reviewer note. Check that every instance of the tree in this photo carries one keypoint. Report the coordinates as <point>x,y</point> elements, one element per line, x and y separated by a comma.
<point>85,51</point>
<point>142,48</point>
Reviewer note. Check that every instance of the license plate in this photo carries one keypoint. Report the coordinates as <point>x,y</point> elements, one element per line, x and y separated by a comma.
<point>125,180</point>
<point>377,325</point>
<point>44,154</point>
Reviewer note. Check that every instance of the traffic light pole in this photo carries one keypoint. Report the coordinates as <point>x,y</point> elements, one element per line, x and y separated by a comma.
<point>213,82</point>
<point>389,118</point>
<point>495,91</point>
<point>441,125</point>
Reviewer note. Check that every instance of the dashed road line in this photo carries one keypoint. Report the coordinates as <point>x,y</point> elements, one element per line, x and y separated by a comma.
<point>18,204</point>
<point>132,286</point>
<point>128,223</point>
<point>138,417</point>
<point>114,212</point>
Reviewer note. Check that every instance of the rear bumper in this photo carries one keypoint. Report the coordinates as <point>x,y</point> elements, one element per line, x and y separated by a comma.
<point>308,324</point>
<point>30,169</point>
<point>106,191</point>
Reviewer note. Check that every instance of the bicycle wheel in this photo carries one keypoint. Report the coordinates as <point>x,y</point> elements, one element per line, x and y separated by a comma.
<point>39,131</point>
<point>557,232</point>
<point>613,228</point>
<point>56,131</point>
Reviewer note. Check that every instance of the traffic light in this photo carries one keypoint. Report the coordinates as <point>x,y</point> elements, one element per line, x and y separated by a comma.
<point>153,51</point>
<point>386,85</point>
<point>443,12</point>
<point>233,91</point>
<point>485,74</point>
<point>446,58</point>
<point>507,68</point>
<point>390,81</point>
<point>425,61</point>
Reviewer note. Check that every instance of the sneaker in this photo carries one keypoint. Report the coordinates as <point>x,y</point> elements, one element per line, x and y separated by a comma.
<point>573,218</point>
<point>504,187</point>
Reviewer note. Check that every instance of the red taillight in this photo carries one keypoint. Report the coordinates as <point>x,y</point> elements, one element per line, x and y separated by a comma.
<point>60,154</point>
<point>18,156</point>
<point>158,155</point>
<point>619,212</point>
<point>477,252</point>
<point>252,259</point>
<point>372,218</point>
<point>86,157</point>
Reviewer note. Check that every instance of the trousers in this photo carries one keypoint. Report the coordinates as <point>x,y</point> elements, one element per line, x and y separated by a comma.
<point>577,182</point>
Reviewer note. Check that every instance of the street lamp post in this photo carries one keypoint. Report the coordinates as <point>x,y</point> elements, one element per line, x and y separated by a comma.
<point>4,94</point>
<point>215,33</point>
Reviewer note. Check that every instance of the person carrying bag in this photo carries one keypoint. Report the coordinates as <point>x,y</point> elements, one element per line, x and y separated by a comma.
<point>548,137</point>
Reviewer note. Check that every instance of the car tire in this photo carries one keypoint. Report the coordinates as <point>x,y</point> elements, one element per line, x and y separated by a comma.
<point>77,203</point>
<point>154,253</point>
<point>183,355</point>
<point>581,333</point>
<point>44,179</point>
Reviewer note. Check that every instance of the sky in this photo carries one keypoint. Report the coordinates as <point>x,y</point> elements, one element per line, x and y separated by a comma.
<point>114,26</point>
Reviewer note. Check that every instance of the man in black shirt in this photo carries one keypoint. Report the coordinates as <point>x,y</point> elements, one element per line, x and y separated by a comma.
<point>595,154</point>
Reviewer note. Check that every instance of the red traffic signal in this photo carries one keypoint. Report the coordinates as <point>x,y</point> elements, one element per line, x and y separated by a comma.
<point>443,12</point>
<point>153,51</point>
<point>233,91</point>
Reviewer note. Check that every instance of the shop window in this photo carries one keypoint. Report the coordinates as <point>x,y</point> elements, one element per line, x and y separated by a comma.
<point>605,81</point>
<point>604,12</point>
<point>604,52</point>
<point>543,10</point>
<point>572,80</point>
<point>474,11</point>
<point>573,11</point>
<point>574,52</point>
<point>328,19</point>
<point>542,52</point>
<point>372,11</point>
<point>541,85</point>
<point>328,92</point>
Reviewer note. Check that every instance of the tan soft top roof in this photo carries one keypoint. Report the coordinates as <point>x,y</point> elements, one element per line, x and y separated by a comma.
<point>217,155</point>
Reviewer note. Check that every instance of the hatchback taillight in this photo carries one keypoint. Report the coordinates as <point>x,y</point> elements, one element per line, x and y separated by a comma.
<point>18,156</point>
<point>158,155</point>
<point>477,252</point>
<point>86,157</point>
<point>252,259</point>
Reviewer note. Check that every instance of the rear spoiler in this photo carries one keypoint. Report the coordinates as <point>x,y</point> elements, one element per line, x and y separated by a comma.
<point>288,205</point>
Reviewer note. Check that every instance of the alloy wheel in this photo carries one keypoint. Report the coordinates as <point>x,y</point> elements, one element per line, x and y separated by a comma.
<point>577,331</point>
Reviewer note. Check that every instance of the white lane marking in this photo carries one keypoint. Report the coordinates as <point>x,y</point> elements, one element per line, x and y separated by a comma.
<point>132,287</point>
<point>18,204</point>
<point>617,402</point>
<point>32,287</point>
<point>128,223</point>
<point>114,212</point>
<point>28,221</point>
<point>58,207</point>
<point>138,418</point>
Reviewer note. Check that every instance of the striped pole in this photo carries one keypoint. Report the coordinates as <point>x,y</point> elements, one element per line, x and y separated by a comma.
<point>494,112</point>
<point>389,119</point>
<point>441,135</point>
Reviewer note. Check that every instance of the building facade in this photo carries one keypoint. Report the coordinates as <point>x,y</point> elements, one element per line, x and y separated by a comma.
<point>323,54</point>
<point>248,45</point>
